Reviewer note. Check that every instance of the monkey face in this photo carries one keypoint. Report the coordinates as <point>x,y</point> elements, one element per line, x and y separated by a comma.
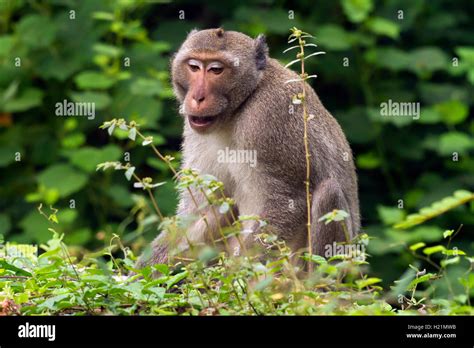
<point>206,93</point>
<point>214,72</point>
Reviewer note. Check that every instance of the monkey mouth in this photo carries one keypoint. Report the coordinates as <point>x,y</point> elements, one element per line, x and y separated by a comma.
<point>201,122</point>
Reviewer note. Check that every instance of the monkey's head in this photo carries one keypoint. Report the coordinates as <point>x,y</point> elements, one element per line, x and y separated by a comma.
<point>214,72</point>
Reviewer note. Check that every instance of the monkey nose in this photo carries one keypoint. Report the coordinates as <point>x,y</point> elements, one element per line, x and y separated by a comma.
<point>198,99</point>
<point>197,102</point>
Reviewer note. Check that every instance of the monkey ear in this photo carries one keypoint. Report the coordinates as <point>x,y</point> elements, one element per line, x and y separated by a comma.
<point>261,52</point>
<point>192,32</point>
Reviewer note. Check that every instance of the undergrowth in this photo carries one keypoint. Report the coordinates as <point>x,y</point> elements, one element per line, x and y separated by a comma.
<point>211,281</point>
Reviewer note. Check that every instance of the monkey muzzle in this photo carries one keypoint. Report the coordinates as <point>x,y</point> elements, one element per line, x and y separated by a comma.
<point>201,123</point>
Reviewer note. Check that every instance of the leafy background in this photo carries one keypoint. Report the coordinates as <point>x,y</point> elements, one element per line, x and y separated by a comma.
<point>82,59</point>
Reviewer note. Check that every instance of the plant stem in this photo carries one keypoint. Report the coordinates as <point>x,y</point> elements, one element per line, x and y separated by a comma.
<point>307,154</point>
<point>155,205</point>
<point>175,173</point>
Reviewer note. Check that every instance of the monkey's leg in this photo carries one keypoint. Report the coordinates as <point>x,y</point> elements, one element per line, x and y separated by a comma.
<point>327,197</point>
<point>281,207</point>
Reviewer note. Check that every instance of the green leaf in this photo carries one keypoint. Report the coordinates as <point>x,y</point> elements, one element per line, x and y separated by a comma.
<point>269,20</point>
<point>467,282</point>
<point>453,252</point>
<point>357,10</point>
<point>362,283</point>
<point>35,227</point>
<point>159,292</point>
<point>104,16</point>
<point>146,87</point>
<point>78,236</point>
<point>335,215</point>
<point>421,233</point>
<point>120,195</point>
<point>390,215</point>
<point>73,141</point>
<point>53,218</point>
<point>6,44</point>
<point>437,208</point>
<point>368,160</point>
<point>422,279</point>
<point>87,158</point>
<point>162,268</point>
<point>64,178</point>
<point>389,58</point>
<point>452,112</point>
<point>429,116</point>
<point>434,249</point>
<point>30,98</point>
<point>451,261</point>
<point>417,246</point>
<point>402,284</point>
<point>384,27</point>
<point>333,37</point>
<point>7,155</point>
<point>145,110</point>
<point>435,93</point>
<point>100,100</point>
<point>51,302</point>
<point>448,233</point>
<point>466,53</point>
<point>427,59</point>
<point>176,279</point>
<point>36,30</point>
<point>315,258</point>
<point>108,50</point>
<point>455,142</point>
<point>93,80</point>
<point>17,271</point>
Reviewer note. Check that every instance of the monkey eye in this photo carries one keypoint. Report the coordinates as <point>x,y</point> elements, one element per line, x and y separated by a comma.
<point>194,65</point>
<point>215,68</point>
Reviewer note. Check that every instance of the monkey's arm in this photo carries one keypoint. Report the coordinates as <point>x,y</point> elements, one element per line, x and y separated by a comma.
<point>159,252</point>
<point>203,230</point>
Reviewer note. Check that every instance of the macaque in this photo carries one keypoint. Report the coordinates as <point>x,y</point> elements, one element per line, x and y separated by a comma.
<point>233,96</point>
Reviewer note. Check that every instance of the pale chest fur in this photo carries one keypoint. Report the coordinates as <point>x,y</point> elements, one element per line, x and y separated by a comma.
<point>212,154</point>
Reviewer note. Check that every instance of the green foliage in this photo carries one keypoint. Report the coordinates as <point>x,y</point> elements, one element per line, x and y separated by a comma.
<point>437,208</point>
<point>80,59</point>
<point>357,10</point>
<point>403,164</point>
<point>57,283</point>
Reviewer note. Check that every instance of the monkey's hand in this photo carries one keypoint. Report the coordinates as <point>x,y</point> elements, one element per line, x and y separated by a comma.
<point>159,252</point>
